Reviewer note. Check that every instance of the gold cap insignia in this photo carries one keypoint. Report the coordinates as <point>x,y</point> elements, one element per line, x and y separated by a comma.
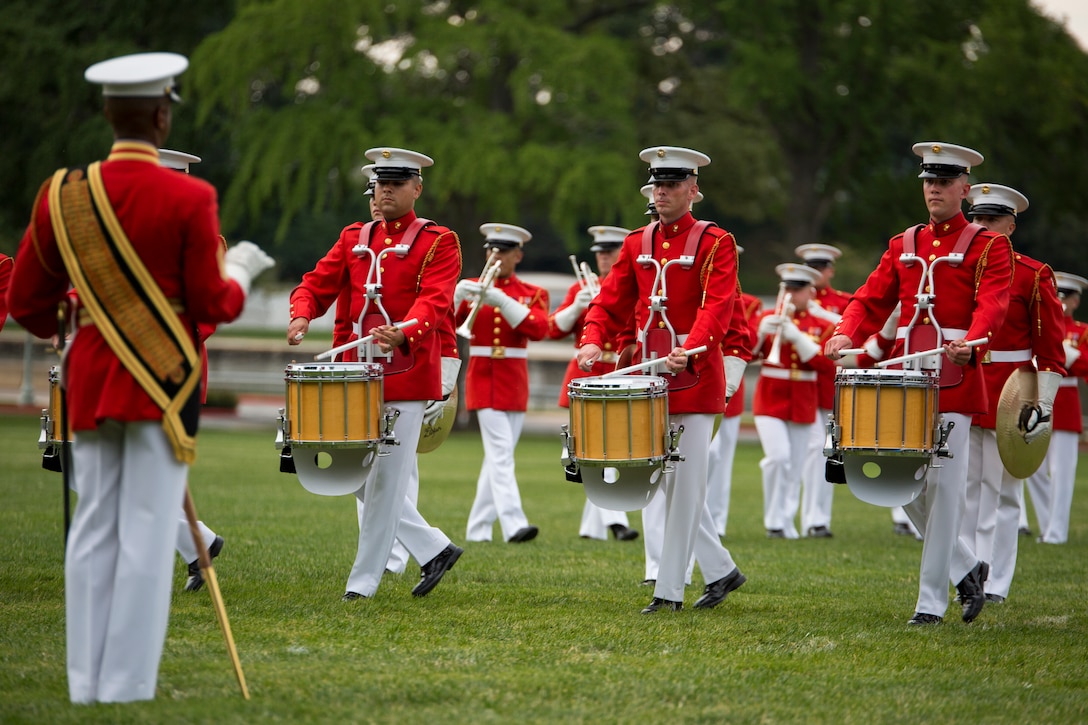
<point>936,148</point>
<point>386,154</point>
<point>661,153</point>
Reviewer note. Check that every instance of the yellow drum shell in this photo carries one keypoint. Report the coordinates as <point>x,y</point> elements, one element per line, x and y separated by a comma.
<point>886,410</point>
<point>334,404</point>
<point>618,419</point>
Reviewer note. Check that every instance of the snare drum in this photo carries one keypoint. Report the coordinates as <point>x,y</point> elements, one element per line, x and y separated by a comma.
<point>889,411</point>
<point>618,420</point>
<point>334,404</point>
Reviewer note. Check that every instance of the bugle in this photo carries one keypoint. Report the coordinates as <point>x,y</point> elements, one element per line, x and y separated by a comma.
<point>774,357</point>
<point>487,278</point>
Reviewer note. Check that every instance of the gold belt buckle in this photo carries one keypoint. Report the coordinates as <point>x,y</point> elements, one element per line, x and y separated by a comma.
<point>986,357</point>
<point>608,357</point>
<point>795,374</point>
<point>498,352</point>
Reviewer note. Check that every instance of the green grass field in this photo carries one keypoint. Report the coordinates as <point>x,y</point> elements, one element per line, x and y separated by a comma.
<point>548,631</point>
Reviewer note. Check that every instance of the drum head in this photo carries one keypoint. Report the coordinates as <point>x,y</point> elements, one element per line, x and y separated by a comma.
<point>1020,458</point>
<point>621,489</point>
<point>885,480</point>
<point>432,436</point>
<point>332,471</point>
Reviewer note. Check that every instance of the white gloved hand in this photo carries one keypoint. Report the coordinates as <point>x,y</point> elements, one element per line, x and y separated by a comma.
<point>566,317</point>
<point>511,310</point>
<point>806,347</point>
<point>244,261</point>
<point>768,326</point>
<point>1035,421</point>
<point>1072,354</point>
<point>433,412</point>
<point>451,366</point>
<point>734,373</point>
<point>820,313</point>
<point>465,289</point>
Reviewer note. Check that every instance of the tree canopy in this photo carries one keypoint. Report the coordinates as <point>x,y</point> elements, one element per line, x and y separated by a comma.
<point>535,111</point>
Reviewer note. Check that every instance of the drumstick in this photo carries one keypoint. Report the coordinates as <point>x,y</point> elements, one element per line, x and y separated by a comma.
<point>852,351</point>
<point>360,342</point>
<point>299,336</point>
<point>927,353</point>
<point>651,363</point>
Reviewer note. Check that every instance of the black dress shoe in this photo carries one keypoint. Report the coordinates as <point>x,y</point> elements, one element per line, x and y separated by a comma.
<point>819,532</point>
<point>658,603</point>
<point>196,578</point>
<point>903,530</point>
<point>716,592</point>
<point>648,582</point>
<point>351,596</point>
<point>432,572</point>
<point>525,534</point>
<point>995,599</point>
<point>622,533</point>
<point>922,619</point>
<point>776,534</point>
<point>972,594</point>
<point>1025,531</point>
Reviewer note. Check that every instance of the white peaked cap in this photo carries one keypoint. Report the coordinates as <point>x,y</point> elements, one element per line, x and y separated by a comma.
<point>371,177</point>
<point>995,200</point>
<point>141,75</point>
<point>504,236</point>
<point>177,159</point>
<point>797,273</point>
<point>607,238</point>
<point>673,163</point>
<point>945,160</point>
<point>394,164</point>
<point>809,252</point>
<point>1070,282</point>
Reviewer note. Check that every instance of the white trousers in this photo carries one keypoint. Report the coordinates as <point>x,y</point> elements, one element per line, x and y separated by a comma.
<point>653,538</point>
<point>991,517</point>
<point>816,493</point>
<point>596,520</point>
<point>388,513</point>
<point>719,483</point>
<point>1051,487</point>
<point>398,557</point>
<point>688,526</point>
<point>785,446</point>
<point>937,511</point>
<point>497,494</point>
<point>119,560</point>
<point>184,544</point>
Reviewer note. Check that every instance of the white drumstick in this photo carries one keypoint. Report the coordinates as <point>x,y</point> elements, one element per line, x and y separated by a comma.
<point>851,351</point>
<point>927,353</point>
<point>651,363</point>
<point>360,342</point>
<point>299,336</point>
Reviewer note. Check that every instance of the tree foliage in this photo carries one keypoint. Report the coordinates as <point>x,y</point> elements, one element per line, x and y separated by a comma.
<point>535,110</point>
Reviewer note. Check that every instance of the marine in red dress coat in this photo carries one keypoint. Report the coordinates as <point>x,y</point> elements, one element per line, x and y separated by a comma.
<point>6,264</point>
<point>970,301</point>
<point>145,196</point>
<point>498,367</point>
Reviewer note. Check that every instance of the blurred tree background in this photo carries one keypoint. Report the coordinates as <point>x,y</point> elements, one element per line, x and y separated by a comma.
<point>535,111</point>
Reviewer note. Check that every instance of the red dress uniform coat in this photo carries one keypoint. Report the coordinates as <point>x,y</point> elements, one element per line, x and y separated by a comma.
<point>700,304</point>
<point>832,300</point>
<point>171,220</point>
<point>739,342</point>
<point>6,264</point>
<point>419,285</point>
<point>835,301</point>
<point>500,379</point>
<point>973,296</point>
<point>1033,326</point>
<point>607,361</point>
<point>1067,412</point>
<point>793,399</point>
